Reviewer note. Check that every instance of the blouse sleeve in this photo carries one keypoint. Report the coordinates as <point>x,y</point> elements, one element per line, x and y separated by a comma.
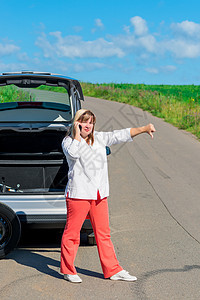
<point>116,136</point>
<point>71,148</point>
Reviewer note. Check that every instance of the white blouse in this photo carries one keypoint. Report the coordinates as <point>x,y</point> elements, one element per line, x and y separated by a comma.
<point>88,168</point>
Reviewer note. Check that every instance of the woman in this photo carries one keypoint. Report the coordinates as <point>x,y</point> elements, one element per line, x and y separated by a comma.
<point>87,191</point>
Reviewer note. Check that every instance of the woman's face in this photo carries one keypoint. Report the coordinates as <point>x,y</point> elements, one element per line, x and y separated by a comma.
<point>87,127</point>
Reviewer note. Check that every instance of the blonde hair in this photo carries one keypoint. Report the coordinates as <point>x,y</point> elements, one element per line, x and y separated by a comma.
<point>83,115</point>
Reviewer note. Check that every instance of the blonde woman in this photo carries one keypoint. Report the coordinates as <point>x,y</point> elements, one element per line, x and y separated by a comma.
<point>87,191</point>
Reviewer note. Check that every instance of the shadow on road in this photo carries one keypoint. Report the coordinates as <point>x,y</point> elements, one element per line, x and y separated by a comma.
<point>42,263</point>
<point>36,249</point>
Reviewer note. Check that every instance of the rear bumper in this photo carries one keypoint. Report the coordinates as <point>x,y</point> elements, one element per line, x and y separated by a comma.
<point>49,221</point>
<point>43,221</point>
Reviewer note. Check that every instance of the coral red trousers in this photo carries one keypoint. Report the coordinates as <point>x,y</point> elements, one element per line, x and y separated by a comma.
<point>77,211</point>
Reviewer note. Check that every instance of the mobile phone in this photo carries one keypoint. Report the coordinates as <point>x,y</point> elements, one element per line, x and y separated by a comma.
<point>80,127</point>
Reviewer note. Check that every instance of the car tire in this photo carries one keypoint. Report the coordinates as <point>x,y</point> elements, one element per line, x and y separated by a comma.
<point>10,230</point>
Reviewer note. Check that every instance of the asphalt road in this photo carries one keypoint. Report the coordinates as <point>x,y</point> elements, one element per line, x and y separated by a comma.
<point>154,218</point>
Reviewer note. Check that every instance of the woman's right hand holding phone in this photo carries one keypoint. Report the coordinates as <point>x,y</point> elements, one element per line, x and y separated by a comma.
<point>77,131</point>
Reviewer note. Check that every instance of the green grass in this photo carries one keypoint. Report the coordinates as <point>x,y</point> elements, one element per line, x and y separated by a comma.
<point>178,105</point>
<point>181,92</point>
<point>52,89</point>
<point>12,94</point>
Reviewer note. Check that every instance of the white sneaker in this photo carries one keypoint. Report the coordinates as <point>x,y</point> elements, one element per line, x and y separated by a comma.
<point>123,275</point>
<point>72,278</point>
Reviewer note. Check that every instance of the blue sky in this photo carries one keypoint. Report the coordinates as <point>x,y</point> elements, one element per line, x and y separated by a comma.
<point>150,42</point>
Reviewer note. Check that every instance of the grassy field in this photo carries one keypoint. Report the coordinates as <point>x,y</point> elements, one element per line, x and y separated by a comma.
<point>12,94</point>
<point>176,104</point>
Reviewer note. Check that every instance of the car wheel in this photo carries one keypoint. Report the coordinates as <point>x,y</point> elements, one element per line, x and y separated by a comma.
<point>10,230</point>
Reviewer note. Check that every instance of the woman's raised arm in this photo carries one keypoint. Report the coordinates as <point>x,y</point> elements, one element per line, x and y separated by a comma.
<point>144,129</point>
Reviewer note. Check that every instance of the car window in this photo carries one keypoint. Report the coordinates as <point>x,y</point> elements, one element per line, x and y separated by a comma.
<point>12,93</point>
<point>43,103</point>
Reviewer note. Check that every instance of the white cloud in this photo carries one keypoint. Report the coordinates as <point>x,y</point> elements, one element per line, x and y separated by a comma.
<point>75,47</point>
<point>182,48</point>
<point>187,28</point>
<point>126,29</point>
<point>140,25</point>
<point>152,70</point>
<point>148,42</point>
<point>186,40</point>
<point>169,68</point>
<point>130,43</point>
<point>11,67</point>
<point>162,69</point>
<point>184,44</point>
<point>7,49</point>
<point>99,23</point>
<point>59,65</point>
<point>43,43</point>
<point>138,41</point>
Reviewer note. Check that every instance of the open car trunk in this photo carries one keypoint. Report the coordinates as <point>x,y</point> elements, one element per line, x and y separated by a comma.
<point>32,162</point>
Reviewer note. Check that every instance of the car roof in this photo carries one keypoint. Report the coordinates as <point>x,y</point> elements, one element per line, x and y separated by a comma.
<point>5,78</point>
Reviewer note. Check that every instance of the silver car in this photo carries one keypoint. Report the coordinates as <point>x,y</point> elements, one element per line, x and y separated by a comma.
<point>36,112</point>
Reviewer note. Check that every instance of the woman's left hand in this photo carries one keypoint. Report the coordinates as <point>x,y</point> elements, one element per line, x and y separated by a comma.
<point>150,129</point>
